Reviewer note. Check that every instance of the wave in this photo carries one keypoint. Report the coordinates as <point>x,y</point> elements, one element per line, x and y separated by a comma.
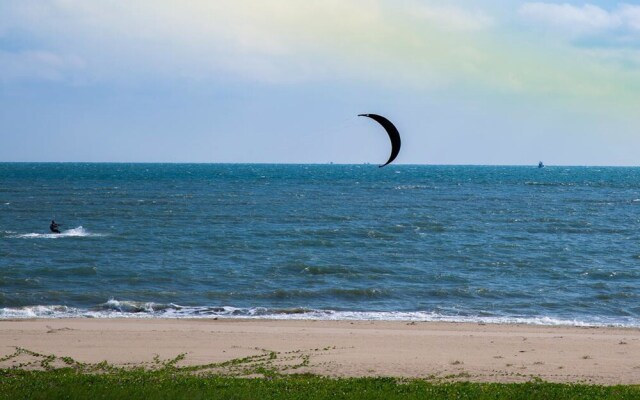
<point>413,187</point>
<point>74,232</point>
<point>534,183</point>
<point>133,309</point>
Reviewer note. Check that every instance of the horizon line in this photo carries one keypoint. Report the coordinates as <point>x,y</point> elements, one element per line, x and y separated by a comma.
<point>319,164</point>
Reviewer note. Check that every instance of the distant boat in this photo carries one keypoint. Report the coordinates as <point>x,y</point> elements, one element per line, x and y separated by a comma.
<point>540,165</point>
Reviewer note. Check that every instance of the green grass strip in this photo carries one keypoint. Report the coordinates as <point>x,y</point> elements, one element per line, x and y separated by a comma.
<point>67,383</point>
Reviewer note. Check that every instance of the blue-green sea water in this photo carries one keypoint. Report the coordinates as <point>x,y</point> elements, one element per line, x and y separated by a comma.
<point>558,245</point>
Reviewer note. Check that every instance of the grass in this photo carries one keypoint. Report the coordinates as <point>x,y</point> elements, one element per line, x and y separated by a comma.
<point>141,384</point>
<point>268,375</point>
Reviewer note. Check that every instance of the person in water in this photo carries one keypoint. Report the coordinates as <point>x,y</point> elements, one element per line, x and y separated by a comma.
<point>54,227</point>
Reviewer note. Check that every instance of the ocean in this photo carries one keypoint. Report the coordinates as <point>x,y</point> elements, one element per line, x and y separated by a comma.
<point>557,245</point>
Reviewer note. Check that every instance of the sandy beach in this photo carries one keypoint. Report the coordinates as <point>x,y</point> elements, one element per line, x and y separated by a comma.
<point>499,353</point>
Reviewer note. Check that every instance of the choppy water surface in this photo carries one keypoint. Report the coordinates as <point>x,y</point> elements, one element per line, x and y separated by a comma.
<point>463,243</point>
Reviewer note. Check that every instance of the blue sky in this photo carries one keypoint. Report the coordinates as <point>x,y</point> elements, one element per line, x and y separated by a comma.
<point>483,82</point>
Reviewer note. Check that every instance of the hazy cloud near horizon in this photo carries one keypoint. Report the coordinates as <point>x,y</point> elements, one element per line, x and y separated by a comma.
<point>586,18</point>
<point>275,81</point>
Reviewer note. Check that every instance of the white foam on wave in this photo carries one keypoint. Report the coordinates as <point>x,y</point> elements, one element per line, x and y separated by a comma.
<point>74,232</point>
<point>132,309</point>
<point>35,312</point>
<point>414,187</point>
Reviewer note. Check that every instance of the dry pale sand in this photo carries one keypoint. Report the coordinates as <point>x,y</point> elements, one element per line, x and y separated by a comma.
<point>504,353</point>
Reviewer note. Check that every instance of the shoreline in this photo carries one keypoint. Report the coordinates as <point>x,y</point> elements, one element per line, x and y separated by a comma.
<point>435,350</point>
<point>151,310</point>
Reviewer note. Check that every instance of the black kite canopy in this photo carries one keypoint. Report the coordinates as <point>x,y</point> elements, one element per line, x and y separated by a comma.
<point>392,131</point>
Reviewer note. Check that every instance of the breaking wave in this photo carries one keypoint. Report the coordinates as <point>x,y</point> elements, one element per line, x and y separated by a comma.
<point>134,309</point>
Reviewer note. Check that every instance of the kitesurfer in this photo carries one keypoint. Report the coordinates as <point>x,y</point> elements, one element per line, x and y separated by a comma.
<point>54,227</point>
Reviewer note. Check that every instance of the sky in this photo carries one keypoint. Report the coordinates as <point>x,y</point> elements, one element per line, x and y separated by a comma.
<point>501,82</point>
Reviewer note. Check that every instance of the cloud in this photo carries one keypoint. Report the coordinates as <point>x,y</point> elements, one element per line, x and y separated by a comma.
<point>585,19</point>
<point>453,17</point>
<point>275,41</point>
<point>409,45</point>
<point>37,64</point>
<point>631,15</point>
